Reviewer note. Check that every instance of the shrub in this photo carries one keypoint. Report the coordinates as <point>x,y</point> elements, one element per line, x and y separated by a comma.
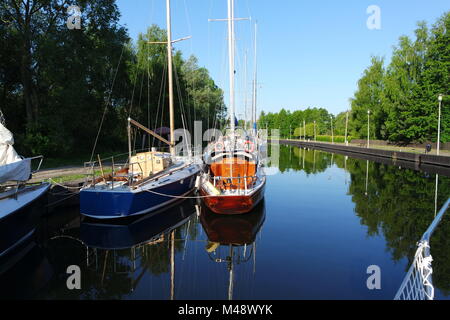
<point>339,139</point>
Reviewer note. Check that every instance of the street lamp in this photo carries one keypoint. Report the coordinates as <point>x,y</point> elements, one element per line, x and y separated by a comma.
<point>439,125</point>
<point>314,130</point>
<point>304,129</point>
<point>346,125</point>
<point>368,128</point>
<point>332,135</point>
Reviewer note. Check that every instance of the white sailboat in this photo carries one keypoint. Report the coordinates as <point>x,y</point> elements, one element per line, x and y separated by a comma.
<point>21,203</point>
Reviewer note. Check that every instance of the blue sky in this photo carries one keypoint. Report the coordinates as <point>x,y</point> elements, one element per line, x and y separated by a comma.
<point>310,53</point>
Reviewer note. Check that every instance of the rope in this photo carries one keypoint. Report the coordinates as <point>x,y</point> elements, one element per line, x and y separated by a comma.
<point>61,185</point>
<point>178,197</point>
<point>64,236</point>
<point>64,199</point>
<point>107,104</point>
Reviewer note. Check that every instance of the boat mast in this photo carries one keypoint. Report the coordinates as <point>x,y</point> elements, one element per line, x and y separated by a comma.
<point>170,77</point>
<point>254,86</point>
<point>231,53</point>
<point>246,119</point>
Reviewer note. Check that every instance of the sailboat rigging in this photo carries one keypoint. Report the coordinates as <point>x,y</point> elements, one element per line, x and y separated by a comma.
<point>233,180</point>
<point>150,180</point>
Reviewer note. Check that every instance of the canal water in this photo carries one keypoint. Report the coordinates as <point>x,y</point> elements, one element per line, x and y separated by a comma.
<point>325,219</point>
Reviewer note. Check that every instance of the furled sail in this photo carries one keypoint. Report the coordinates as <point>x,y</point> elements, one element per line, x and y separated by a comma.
<point>12,166</point>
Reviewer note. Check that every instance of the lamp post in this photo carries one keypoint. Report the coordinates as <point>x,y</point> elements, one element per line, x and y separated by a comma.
<point>439,125</point>
<point>304,129</point>
<point>315,130</point>
<point>368,128</point>
<point>346,125</point>
<point>332,135</point>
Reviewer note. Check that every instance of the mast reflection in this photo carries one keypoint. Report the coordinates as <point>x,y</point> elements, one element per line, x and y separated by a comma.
<point>232,238</point>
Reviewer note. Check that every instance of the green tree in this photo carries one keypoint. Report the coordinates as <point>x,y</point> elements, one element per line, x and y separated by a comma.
<point>205,97</point>
<point>368,97</point>
<point>435,80</point>
<point>405,122</point>
<point>66,76</point>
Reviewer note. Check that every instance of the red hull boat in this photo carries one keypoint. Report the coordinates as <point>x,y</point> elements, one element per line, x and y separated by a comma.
<point>233,204</point>
<point>232,184</point>
<point>233,180</point>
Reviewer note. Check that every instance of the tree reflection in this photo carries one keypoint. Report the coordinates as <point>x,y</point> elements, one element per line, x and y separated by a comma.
<point>391,201</point>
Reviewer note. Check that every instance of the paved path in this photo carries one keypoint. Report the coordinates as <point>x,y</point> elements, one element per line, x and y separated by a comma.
<point>58,172</point>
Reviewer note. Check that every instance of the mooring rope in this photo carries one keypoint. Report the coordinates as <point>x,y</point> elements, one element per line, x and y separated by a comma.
<point>178,197</point>
<point>61,200</point>
<point>61,185</point>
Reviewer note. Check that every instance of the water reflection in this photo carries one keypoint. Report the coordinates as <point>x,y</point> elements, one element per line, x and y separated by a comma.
<point>391,201</point>
<point>326,217</point>
<point>115,257</point>
<point>231,239</point>
<point>144,230</point>
<point>25,273</point>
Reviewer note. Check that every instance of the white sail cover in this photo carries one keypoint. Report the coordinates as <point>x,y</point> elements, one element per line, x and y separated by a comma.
<point>12,166</point>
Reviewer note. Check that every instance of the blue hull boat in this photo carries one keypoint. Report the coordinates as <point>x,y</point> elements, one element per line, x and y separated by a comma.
<point>114,200</point>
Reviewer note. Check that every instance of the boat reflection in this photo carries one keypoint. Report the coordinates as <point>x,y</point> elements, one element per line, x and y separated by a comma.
<point>24,273</point>
<point>129,251</point>
<point>115,257</point>
<point>232,238</point>
<point>143,230</point>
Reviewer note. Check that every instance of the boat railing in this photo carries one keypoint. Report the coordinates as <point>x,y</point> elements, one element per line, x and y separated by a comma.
<point>230,179</point>
<point>418,284</point>
<point>93,167</point>
<point>244,253</point>
<point>134,174</point>
<point>110,166</point>
<point>41,158</point>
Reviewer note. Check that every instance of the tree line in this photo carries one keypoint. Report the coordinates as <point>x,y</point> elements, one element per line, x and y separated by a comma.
<point>59,86</point>
<point>402,96</point>
<point>310,122</point>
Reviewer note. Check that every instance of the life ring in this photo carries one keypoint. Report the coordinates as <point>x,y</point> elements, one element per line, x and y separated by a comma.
<point>250,148</point>
<point>219,147</point>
